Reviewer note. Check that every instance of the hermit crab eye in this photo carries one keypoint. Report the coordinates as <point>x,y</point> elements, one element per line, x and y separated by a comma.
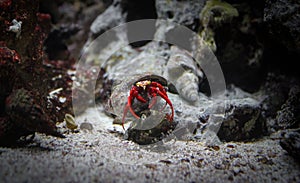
<point>143,84</point>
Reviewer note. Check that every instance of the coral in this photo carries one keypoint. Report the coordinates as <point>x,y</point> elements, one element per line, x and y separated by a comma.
<point>23,109</point>
<point>214,13</point>
<point>26,75</point>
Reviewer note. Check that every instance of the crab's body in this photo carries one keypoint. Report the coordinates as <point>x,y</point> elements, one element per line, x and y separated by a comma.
<point>151,89</point>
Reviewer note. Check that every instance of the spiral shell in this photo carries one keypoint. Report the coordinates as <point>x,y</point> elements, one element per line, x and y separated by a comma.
<point>187,86</point>
<point>184,73</point>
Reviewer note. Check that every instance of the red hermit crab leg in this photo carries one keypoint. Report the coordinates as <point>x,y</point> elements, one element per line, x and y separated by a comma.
<point>128,106</point>
<point>153,91</point>
<point>165,97</point>
<point>141,99</point>
<point>169,102</point>
<point>153,102</point>
<point>124,115</point>
<point>133,94</point>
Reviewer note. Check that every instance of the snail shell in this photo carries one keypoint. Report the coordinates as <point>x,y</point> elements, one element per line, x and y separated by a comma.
<point>70,122</point>
<point>184,73</point>
<point>187,86</point>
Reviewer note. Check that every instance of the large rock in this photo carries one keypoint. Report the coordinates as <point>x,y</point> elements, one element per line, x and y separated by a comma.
<point>242,120</point>
<point>282,19</point>
<point>288,116</point>
<point>291,142</point>
<point>280,106</point>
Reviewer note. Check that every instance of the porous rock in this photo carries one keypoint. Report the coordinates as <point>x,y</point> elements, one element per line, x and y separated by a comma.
<point>242,120</point>
<point>282,19</point>
<point>291,142</point>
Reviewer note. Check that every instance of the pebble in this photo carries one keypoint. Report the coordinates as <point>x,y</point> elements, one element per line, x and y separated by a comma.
<point>236,170</point>
<point>86,126</point>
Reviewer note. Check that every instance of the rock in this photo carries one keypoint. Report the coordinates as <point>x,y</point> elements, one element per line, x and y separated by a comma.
<point>282,19</point>
<point>25,106</point>
<point>280,104</point>
<point>55,45</point>
<point>85,126</point>
<point>110,18</point>
<point>289,115</point>
<point>291,142</point>
<point>214,14</point>
<point>153,135</point>
<point>138,10</point>
<point>239,50</point>
<point>275,91</point>
<point>183,12</point>
<point>23,109</point>
<point>242,120</point>
<point>10,132</point>
<point>240,54</point>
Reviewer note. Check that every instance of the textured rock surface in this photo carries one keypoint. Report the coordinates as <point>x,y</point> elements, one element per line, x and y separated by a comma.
<point>282,18</point>
<point>280,105</point>
<point>23,99</point>
<point>242,120</point>
<point>288,115</point>
<point>291,142</point>
<point>239,48</point>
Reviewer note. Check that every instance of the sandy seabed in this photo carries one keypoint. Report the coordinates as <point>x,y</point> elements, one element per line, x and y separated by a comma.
<point>102,156</point>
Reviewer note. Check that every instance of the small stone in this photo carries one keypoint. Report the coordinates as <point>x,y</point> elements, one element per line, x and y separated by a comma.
<point>86,126</point>
<point>271,154</point>
<point>265,160</point>
<point>199,162</point>
<point>185,160</point>
<point>236,155</point>
<point>218,166</point>
<point>236,170</point>
<point>151,166</point>
<point>252,166</point>
<point>242,120</point>
<point>230,145</point>
<point>166,161</point>
<point>230,177</point>
<point>216,148</point>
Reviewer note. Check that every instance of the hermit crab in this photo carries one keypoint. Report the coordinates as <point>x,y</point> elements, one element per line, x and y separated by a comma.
<point>145,96</point>
<point>149,89</point>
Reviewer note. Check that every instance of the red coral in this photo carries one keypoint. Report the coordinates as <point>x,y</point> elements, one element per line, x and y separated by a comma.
<point>24,80</point>
<point>4,4</point>
<point>9,56</point>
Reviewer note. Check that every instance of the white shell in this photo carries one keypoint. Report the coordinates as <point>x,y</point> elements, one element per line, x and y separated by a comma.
<point>187,86</point>
<point>184,73</point>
